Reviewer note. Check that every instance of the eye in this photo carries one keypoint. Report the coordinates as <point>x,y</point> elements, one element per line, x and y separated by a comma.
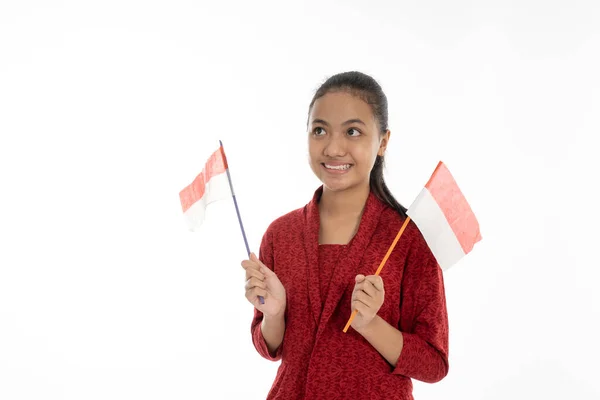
<point>358,133</point>
<point>318,131</point>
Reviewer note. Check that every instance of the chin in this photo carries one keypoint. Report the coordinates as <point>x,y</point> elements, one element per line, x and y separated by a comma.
<point>337,186</point>
<point>336,183</point>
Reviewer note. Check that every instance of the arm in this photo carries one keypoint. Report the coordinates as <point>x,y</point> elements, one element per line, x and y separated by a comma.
<point>268,332</point>
<point>419,348</point>
<point>272,329</point>
<point>386,339</point>
<point>423,317</point>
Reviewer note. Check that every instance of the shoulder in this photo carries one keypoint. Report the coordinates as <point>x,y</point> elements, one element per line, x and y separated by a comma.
<point>287,223</point>
<point>282,233</point>
<point>295,220</point>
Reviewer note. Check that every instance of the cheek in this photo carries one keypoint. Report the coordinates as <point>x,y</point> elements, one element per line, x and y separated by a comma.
<point>311,155</point>
<point>366,156</point>
<point>314,151</point>
<point>313,162</point>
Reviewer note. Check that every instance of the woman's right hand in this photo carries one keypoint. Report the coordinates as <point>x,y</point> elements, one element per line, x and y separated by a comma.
<point>261,281</point>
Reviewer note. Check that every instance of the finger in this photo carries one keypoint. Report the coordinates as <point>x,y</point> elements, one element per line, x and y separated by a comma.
<point>246,264</point>
<point>254,258</point>
<point>376,281</point>
<point>254,273</point>
<point>254,282</point>
<point>359,278</point>
<point>367,288</point>
<point>261,266</point>
<point>257,303</point>
<point>364,298</point>
<point>266,270</point>
<point>361,308</point>
<point>361,284</point>
<point>255,292</point>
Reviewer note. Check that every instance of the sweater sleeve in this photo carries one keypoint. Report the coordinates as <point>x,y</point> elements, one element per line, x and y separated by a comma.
<point>423,317</point>
<point>266,256</point>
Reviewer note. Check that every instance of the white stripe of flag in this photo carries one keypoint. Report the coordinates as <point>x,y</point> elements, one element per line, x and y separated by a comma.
<point>209,186</point>
<point>445,218</point>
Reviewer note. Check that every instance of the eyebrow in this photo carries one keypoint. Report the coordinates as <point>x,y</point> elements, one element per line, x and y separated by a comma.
<point>350,121</point>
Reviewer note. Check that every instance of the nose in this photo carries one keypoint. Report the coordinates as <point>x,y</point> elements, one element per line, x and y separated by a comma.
<point>335,146</point>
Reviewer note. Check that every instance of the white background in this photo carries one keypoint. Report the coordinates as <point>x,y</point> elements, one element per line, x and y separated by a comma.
<point>108,109</point>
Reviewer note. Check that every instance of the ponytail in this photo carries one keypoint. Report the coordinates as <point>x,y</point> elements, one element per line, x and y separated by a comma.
<point>380,189</point>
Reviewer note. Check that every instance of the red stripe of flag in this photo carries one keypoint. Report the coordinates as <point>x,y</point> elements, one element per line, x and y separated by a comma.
<point>458,213</point>
<point>216,164</point>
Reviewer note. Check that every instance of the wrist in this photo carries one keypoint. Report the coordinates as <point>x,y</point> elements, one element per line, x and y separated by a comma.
<point>279,317</point>
<point>367,329</point>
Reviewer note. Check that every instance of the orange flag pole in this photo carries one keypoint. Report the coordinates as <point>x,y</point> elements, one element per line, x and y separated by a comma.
<point>381,266</point>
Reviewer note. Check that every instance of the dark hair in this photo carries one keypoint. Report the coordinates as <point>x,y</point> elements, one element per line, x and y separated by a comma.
<point>367,89</point>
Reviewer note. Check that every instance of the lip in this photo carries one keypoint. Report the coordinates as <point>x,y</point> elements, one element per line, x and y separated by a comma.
<point>335,171</point>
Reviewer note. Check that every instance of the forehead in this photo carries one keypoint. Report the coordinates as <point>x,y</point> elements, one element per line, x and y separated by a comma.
<point>338,107</point>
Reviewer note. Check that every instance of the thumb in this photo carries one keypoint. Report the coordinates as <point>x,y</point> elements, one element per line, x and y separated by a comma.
<point>266,270</point>
<point>359,278</point>
<point>263,268</point>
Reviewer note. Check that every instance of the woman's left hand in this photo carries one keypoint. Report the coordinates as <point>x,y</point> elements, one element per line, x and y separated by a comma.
<point>367,298</point>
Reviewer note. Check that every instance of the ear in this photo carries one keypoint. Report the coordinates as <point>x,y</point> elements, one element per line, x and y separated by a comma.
<point>383,142</point>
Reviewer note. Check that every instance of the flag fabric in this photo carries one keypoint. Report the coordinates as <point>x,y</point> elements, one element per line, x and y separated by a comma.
<point>444,218</point>
<point>210,185</point>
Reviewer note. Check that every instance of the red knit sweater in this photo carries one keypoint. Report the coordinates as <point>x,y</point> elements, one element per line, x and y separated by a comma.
<point>318,360</point>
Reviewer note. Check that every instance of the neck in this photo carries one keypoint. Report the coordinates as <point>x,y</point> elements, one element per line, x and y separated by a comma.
<point>349,202</point>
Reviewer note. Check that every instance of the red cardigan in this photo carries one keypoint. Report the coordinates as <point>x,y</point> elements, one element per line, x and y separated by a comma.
<point>318,360</point>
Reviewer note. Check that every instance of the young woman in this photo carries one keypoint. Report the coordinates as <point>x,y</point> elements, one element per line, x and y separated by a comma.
<point>317,266</point>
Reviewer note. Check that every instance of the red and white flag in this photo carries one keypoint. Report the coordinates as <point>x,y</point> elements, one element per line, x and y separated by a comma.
<point>445,218</point>
<point>210,185</point>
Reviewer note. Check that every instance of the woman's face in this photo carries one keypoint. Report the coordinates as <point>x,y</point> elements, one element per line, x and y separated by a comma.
<point>343,141</point>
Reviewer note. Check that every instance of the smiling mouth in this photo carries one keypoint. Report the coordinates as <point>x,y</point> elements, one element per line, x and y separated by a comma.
<point>343,167</point>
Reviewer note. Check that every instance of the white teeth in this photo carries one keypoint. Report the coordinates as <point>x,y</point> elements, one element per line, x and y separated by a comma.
<point>338,167</point>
